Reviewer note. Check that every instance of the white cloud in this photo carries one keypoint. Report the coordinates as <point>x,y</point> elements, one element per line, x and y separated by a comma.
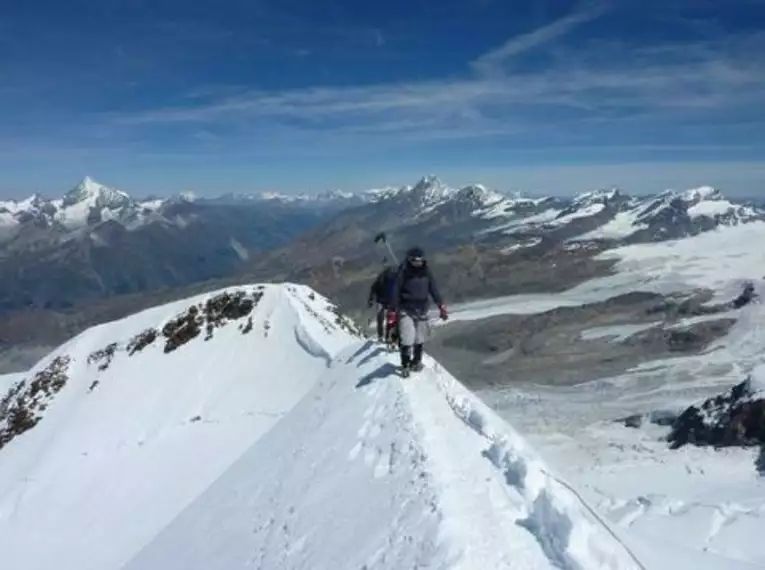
<point>619,85</point>
<point>516,45</point>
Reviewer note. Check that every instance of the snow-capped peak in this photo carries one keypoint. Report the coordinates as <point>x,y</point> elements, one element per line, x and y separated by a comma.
<point>703,201</point>
<point>272,195</point>
<point>702,193</point>
<point>674,214</point>
<point>430,192</point>
<point>428,180</point>
<point>15,207</point>
<point>480,195</point>
<point>596,196</point>
<point>188,196</point>
<point>96,195</point>
<point>337,194</point>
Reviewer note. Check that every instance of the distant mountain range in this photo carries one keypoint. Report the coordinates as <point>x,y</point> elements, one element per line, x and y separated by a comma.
<point>439,216</point>
<point>96,243</point>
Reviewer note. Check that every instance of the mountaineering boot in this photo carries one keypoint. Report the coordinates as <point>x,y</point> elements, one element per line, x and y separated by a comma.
<point>406,360</point>
<point>417,364</point>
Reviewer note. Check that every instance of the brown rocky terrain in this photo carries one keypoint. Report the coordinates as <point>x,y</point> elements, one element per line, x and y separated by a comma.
<point>554,347</point>
<point>464,273</point>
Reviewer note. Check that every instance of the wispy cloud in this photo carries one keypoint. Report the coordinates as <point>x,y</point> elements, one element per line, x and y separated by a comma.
<point>661,86</point>
<point>492,60</point>
<point>378,38</point>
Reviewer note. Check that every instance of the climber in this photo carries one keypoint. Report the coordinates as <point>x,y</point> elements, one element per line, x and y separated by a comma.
<point>379,293</point>
<point>746,296</point>
<point>414,286</point>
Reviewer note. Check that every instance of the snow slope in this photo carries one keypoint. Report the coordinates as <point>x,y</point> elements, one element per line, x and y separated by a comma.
<point>380,473</point>
<point>107,469</point>
<point>284,441</point>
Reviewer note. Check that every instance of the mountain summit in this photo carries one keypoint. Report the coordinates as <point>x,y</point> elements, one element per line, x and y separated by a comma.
<point>96,195</point>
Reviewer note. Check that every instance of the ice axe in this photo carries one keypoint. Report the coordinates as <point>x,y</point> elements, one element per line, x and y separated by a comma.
<point>381,237</point>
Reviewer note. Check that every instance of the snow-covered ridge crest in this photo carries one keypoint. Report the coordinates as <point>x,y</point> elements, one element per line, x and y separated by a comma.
<point>133,419</point>
<point>260,406</point>
<point>569,531</point>
<point>418,482</point>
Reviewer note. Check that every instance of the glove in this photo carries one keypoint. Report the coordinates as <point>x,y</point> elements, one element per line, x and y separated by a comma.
<point>392,318</point>
<point>443,314</point>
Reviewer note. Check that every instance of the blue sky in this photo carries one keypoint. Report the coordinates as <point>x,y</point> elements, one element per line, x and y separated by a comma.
<point>157,96</point>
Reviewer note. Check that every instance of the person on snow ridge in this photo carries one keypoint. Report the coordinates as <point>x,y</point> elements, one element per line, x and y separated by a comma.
<point>414,287</point>
<point>380,293</point>
<point>747,296</point>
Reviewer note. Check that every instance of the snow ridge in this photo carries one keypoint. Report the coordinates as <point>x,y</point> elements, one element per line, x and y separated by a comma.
<point>153,409</point>
<point>368,471</point>
<point>568,530</point>
<point>252,426</point>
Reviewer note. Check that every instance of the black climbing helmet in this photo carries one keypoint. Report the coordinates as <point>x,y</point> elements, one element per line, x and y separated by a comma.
<point>415,256</point>
<point>415,251</point>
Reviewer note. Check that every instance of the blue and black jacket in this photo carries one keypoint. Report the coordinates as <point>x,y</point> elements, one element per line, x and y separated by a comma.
<point>413,288</point>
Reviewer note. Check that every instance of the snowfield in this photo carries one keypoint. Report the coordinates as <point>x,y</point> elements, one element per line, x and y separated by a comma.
<point>720,260</point>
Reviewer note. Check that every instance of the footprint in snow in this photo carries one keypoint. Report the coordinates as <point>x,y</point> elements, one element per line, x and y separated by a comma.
<point>370,455</point>
<point>354,452</point>
<point>383,466</point>
<point>379,413</point>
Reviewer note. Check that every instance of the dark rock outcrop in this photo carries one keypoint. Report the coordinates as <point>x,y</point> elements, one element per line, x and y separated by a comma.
<point>22,407</point>
<point>747,296</point>
<point>141,341</point>
<point>213,314</point>
<point>103,356</point>
<point>736,418</point>
<point>182,329</point>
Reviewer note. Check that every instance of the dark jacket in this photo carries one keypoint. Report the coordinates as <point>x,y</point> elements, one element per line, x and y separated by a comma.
<point>382,287</point>
<point>413,289</point>
<point>746,297</point>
